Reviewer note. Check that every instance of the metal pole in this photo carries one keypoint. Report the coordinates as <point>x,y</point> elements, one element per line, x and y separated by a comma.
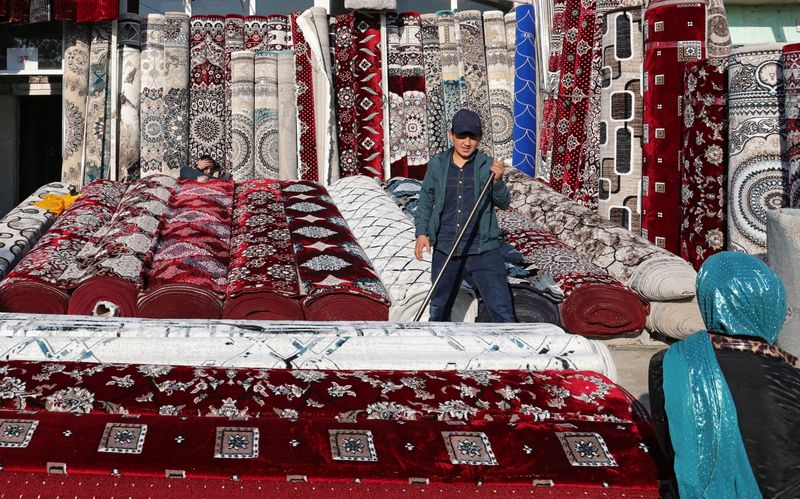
<point>453,250</point>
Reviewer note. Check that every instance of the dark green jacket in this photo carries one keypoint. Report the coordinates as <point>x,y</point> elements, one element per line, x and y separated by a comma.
<point>428,218</point>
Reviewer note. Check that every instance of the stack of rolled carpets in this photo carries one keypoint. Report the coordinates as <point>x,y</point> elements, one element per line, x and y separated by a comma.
<point>387,237</point>
<point>108,270</point>
<point>263,282</point>
<point>187,270</point>
<point>36,285</point>
<point>601,241</point>
<point>595,303</point>
<point>339,281</point>
<point>22,227</point>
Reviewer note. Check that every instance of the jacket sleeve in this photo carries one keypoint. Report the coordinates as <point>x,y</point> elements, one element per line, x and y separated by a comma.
<point>501,195</point>
<point>427,195</point>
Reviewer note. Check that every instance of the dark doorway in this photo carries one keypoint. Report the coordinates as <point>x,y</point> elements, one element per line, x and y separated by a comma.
<point>39,142</point>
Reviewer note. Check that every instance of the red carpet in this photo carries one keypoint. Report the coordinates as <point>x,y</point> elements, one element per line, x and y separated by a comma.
<point>186,276</point>
<point>338,279</point>
<point>595,303</point>
<point>263,283</point>
<point>675,36</point>
<point>35,285</point>
<point>576,429</point>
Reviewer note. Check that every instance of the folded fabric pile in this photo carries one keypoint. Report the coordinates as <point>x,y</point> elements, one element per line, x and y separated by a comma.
<point>22,227</point>
<point>595,303</point>
<point>263,282</point>
<point>36,284</point>
<point>108,270</point>
<point>341,345</point>
<point>326,425</point>
<point>187,270</point>
<point>387,237</point>
<point>338,279</point>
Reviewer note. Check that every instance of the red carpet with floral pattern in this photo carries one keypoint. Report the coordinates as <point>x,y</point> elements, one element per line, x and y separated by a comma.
<point>704,161</point>
<point>489,427</point>
<point>337,277</point>
<point>186,274</point>
<point>36,285</point>
<point>263,283</point>
<point>595,303</point>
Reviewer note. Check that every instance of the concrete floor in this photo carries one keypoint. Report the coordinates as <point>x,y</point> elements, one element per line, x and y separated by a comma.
<point>632,362</point>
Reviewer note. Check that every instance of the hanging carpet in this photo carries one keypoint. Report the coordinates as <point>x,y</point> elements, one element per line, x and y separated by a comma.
<point>263,282</point>
<point>601,241</point>
<point>436,123</point>
<point>525,85</point>
<point>676,37</point>
<point>452,77</point>
<point>387,237</point>
<point>412,70</point>
<point>704,160</point>
<point>619,198</point>
<point>791,76</point>
<point>266,140</point>
<point>758,170</point>
<point>152,105</point>
<point>472,55</point>
<point>35,285</point>
<point>595,303</point>
<point>501,86</point>
<point>97,146</point>
<point>287,116</point>
<point>75,87</point>
<point>129,33</point>
<point>240,154</point>
<point>336,274</point>
<point>589,154</point>
<point>207,92</point>
<point>40,11</point>
<point>22,227</point>
<point>186,272</point>
<point>108,270</point>
<point>234,41</point>
<point>308,168</point>
<point>176,92</point>
<point>359,111</point>
<point>368,425</point>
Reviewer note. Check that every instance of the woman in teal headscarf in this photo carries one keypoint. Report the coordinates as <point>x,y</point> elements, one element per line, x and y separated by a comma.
<point>730,399</point>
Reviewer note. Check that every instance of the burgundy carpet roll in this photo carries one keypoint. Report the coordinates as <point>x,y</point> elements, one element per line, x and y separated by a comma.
<point>595,303</point>
<point>263,283</point>
<point>187,274</point>
<point>108,270</point>
<point>37,284</point>
<point>337,276</point>
<point>105,296</point>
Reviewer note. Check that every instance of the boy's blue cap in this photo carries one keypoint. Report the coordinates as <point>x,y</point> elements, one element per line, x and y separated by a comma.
<point>466,121</point>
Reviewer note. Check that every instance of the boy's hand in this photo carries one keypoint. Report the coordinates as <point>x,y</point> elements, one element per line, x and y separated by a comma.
<point>498,168</point>
<point>423,245</point>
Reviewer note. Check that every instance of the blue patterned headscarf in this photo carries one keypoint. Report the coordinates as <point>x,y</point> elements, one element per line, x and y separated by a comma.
<point>738,295</point>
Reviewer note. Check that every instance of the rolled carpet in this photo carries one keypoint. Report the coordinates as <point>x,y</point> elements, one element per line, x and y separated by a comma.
<point>22,227</point>
<point>676,319</point>
<point>597,239</point>
<point>36,284</point>
<point>187,272</point>
<point>529,306</point>
<point>595,304</point>
<point>339,280</point>
<point>108,270</point>
<point>663,279</point>
<point>263,283</point>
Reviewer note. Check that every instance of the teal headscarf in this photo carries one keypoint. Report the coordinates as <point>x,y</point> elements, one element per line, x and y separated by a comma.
<point>738,295</point>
